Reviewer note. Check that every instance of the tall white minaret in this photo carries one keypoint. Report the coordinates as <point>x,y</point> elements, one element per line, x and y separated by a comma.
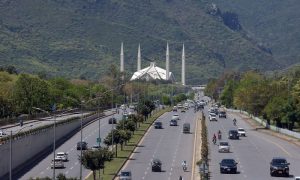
<point>122,58</point>
<point>167,62</point>
<point>139,58</point>
<point>183,67</point>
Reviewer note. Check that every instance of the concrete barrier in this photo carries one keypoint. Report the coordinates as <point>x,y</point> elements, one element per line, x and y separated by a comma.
<point>28,149</point>
<point>264,123</point>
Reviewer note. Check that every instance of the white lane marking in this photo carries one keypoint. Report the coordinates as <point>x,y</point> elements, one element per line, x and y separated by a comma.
<point>71,167</point>
<point>48,168</point>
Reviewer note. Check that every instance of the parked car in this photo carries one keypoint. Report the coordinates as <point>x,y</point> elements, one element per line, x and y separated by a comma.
<point>95,147</point>
<point>62,155</point>
<point>173,122</point>
<point>82,145</point>
<point>242,132</point>
<point>212,117</point>
<point>156,165</point>
<point>279,166</point>
<point>186,128</point>
<point>175,117</point>
<point>125,175</point>
<point>57,163</point>
<point>158,125</point>
<point>228,166</point>
<point>112,120</point>
<point>224,147</point>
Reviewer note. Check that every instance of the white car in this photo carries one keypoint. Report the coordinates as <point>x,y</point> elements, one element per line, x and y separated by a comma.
<point>58,163</point>
<point>131,106</point>
<point>123,107</point>
<point>62,156</point>
<point>212,117</point>
<point>2,133</point>
<point>224,147</point>
<point>175,117</point>
<point>242,132</point>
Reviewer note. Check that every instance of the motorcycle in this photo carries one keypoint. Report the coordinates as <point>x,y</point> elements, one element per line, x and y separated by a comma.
<point>219,136</point>
<point>184,167</point>
<point>214,141</point>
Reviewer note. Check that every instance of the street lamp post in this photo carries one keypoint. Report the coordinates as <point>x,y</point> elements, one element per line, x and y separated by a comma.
<point>80,177</point>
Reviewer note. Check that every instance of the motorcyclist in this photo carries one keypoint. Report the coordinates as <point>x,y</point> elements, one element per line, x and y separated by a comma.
<point>219,134</point>
<point>234,121</point>
<point>180,178</point>
<point>214,139</point>
<point>184,166</point>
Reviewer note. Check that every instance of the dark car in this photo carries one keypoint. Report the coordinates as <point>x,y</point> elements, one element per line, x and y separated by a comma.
<point>158,125</point>
<point>233,134</point>
<point>173,122</point>
<point>279,166</point>
<point>222,114</point>
<point>82,145</point>
<point>228,166</point>
<point>186,128</point>
<point>112,120</point>
<point>156,165</point>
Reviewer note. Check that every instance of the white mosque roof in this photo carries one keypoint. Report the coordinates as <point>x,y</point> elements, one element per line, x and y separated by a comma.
<point>152,73</point>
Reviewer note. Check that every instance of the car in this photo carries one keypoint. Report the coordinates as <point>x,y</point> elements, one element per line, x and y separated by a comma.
<point>131,106</point>
<point>242,132</point>
<point>173,122</point>
<point>57,163</point>
<point>62,155</point>
<point>95,147</point>
<point>279,166</point>
<point>175,117</point>
<point>222,114</point>
<point>228,166</point>
<point>156,165</point>
<point>233,134</point>
<point>297,178</point>
<point>183,110</point>
<point>112,120</point>
<point>212,117</point>
<point>123,107</point>
<point>125,175</point>
<point>179,106</point>
<point>158,125</point>
<point>82,145</point>
<point>2,133</point>
<point>224,147</point>
<point>186,128</point>
<point>174,109</point>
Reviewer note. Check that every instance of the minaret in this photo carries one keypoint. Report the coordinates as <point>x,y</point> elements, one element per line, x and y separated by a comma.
<point>122,58</point>
<point>139,58</point>
<point>167,62</point>
<point>183,67</point>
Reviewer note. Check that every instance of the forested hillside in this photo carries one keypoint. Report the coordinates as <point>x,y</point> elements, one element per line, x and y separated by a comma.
<point>81,38</point>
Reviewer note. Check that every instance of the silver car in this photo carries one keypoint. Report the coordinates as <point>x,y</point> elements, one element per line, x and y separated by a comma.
<point>58,163</point>
<point>125,175</point>
<point>224,147</point>
<point>62,155</point>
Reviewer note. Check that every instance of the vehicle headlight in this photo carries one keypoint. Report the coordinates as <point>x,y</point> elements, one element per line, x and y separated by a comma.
<point>274,167</point>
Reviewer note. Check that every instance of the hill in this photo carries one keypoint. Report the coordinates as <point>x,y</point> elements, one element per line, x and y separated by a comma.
<point>81,38</point>
<point>274,23</point>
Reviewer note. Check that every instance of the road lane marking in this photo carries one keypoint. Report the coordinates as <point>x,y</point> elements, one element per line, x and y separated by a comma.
<point>48,168</point>
<point>71,167</point>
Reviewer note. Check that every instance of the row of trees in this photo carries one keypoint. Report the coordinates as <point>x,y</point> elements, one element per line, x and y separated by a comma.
<point>276,98</point>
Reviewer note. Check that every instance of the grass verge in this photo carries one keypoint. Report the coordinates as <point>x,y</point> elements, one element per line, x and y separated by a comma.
<point>113,167</point>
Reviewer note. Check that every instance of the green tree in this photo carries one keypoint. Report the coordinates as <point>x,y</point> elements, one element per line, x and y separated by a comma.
<point>95,160</point>
<point>227,93</point>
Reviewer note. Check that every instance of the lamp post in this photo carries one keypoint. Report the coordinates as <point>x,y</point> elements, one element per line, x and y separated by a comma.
<point>80,177</point>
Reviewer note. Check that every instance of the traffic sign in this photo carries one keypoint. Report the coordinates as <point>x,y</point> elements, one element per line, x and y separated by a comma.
<point>98,140</point>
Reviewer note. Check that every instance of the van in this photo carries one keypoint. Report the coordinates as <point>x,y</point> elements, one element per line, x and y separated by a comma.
<point>186,128</point>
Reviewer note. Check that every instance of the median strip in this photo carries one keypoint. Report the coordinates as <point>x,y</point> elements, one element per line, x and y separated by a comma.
<point>113,167</point>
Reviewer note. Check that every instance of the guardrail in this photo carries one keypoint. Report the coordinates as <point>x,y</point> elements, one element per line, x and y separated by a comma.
<point>264,123</point>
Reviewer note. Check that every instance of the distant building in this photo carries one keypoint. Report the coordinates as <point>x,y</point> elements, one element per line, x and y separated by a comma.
<point>152,72</point>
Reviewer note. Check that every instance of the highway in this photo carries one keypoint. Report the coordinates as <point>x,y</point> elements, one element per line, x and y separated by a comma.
<point>253,152</point>
<point>72,167</point>
<point>169,145</point>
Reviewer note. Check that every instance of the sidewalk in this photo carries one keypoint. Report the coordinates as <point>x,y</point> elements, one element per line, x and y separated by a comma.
<point>197,147</point>
<point>259,127</point>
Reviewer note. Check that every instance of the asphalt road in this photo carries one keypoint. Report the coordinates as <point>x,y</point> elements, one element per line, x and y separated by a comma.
<point>72,167</point>
<point>253,152</point>
<point>169,145</point>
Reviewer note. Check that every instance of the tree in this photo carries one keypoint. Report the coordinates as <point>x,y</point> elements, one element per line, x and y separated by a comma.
<point>227,93</point>
<point>166,100</point>
<point>95,160</point>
